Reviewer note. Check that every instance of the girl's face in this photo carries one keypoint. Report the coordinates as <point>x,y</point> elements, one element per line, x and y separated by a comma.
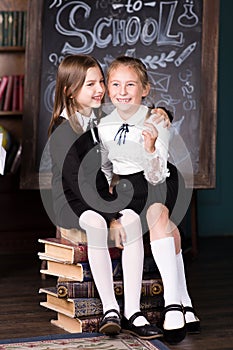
<point>92,91</point>
<point>125,89</point>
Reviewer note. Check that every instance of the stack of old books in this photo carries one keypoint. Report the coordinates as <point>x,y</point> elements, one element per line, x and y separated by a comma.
<point>74,296</point>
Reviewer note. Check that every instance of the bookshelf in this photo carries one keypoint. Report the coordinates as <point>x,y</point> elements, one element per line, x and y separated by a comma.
<point>23,219</point>
<point>12,63</point>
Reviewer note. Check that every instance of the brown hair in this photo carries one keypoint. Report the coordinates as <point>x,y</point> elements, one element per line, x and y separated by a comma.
<point>70,78</point>
<point>134,63</point>
<point>137,65</point>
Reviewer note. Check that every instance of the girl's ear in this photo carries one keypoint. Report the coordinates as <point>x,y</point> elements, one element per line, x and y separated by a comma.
<point>65,92</point>
<point>146,90</point>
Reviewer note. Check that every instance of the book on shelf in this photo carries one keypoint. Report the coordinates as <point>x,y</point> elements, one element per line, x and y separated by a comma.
<point>20,29</point>
<point>9,28</point>
<point>3,85</point>
<point>68,252</point>
<point>9,93</point>
<point>5,28</point>
<point>21,92</point>
<point>73,289</point>
<point>15,94</point>
<point>13,28</point>
<point>78,307</point>
<point>1,28</point>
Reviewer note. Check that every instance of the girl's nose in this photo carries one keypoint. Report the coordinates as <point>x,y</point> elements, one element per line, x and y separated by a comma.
<point>123,90</point>
<point>101,87</point>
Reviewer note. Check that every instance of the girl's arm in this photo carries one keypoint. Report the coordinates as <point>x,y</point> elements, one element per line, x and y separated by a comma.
<point>78,178</point>
<point>156,142</point>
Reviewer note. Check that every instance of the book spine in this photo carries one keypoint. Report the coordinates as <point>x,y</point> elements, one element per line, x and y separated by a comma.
<point>1,28</point>
<point>87,306</point>
<point>15,97</point>
<point>9,92</point>
<point>93,306</point>
<point>15,28</point>
<point>74,289</point>
<point>77,289</point>
<point>5,28</point>
<point>19,39</point>
<point>80,253</point>
<point>91,324</point>
<point>9,28</point>
<point>24,28</point>
<point>3,85</point>
<point>116,267</point>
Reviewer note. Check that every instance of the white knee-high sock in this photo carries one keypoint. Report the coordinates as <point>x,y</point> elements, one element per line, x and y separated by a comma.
<point>132,265</point>
<point>99,258</point>
<point>163,251</point>
<point>185,298</point>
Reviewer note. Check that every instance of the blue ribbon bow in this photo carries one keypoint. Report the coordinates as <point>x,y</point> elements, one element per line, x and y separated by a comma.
<point>124,128</point>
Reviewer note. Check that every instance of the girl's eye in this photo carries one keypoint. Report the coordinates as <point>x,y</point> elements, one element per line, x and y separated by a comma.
<point>115,84</point>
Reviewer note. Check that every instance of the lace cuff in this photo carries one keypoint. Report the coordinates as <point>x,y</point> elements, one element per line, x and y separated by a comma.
<point>155,169</point>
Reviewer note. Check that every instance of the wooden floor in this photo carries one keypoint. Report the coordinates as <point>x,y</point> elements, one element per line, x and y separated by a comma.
<point>210,282</point>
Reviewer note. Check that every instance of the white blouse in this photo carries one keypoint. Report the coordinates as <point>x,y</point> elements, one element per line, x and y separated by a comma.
<point>126,154</point>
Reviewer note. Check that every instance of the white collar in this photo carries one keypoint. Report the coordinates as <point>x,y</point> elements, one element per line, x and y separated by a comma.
<point>83,120</point>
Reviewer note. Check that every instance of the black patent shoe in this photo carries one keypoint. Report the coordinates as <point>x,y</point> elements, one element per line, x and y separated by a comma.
<point>147,331</point>
<point>174,336</point>
<point>110,325</point>
<point>195,326</point>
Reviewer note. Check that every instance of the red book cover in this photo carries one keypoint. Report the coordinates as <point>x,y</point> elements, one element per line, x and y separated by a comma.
<point>21,92</point>
<point>15,97</point>
<point>3,85</point>
<point>9,91</point>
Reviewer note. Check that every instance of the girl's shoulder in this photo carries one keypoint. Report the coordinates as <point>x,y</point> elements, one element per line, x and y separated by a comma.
<point>58,122</point>
<point>112,117</point>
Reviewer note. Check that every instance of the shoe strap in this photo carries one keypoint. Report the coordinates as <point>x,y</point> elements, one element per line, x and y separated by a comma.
<point>112,310</point>
<point>173,307</point>
<point>134,316</point>
<point>189,309</point>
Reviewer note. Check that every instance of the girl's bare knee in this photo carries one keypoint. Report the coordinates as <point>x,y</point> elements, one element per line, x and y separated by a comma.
<point>157,214</point>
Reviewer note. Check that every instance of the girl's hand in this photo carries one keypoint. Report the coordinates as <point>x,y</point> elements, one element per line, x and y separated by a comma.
<point>117,233</point>
<point>150,136</point>
<point>159,115</point>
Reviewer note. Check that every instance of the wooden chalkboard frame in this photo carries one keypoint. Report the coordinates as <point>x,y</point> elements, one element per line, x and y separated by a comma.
<point>206,176</point>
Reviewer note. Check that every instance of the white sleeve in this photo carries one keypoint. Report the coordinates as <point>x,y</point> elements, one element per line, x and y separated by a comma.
<point>155,164</point>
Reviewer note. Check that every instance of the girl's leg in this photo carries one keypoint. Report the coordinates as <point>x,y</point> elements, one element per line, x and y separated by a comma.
<point>185,299</point>
<point>192,321</point>
<point>164,253</point>
<point>132,264</point>
<point>99,258</point>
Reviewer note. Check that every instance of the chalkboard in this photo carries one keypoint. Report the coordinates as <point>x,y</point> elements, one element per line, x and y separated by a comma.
<point>176,40</point>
